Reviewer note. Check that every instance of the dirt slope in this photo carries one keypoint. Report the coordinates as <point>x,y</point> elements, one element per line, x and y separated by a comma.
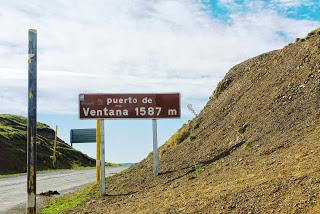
<point>13,147</point>
<point>254,148</point>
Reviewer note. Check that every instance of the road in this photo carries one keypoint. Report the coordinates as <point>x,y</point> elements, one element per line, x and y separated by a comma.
<point>13,189</point>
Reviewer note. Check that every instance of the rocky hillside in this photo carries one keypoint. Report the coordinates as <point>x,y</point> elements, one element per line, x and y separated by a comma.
<point>254,148</point>
<point>13,147</point>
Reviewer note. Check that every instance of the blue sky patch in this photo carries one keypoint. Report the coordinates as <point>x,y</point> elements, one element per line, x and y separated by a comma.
<point>302,10</point>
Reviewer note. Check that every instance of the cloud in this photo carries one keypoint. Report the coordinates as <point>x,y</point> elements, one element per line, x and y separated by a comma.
<point>290,3</point>
<point>129,46</point>
<point>277,5</point>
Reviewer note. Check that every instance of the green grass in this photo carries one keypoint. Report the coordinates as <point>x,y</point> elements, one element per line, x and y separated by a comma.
<point>192,137</point>
<point>246,145</point>
<point>12,175</point>
<point>79,166</point>
<point>12,126</point>
<point>13,134</point>
<point>20,120</point>
<point>72,200</point>
<point>76,165</point>
<point>112,165</point>
<point>198,168</point>
<point>10,131</point>
<point>179,136</point>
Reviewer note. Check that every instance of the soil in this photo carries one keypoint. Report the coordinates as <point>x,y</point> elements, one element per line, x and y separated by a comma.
<point>254,147</point>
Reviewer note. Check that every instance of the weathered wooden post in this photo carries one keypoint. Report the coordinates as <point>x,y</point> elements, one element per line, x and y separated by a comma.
<point>32,123</point>
<point>54,157</point>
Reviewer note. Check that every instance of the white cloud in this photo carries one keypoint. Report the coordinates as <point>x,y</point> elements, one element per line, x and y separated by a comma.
<point>283,5</point>
<point>289,3</point>
<point>128,46</point>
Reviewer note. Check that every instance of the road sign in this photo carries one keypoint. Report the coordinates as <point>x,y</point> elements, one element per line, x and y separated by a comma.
<point>122,106</point>
<point>128,106</point>
<point>82,136</point>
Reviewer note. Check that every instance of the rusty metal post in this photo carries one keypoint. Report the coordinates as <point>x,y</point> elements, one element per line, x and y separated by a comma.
<point>32,123</point>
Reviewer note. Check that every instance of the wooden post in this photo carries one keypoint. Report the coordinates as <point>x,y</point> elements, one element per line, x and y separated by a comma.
<point>54,157</point>
<point>32,123</point>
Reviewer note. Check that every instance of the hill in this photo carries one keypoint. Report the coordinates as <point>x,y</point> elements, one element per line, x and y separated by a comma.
<point>254,148</point>
<point>13,145</point>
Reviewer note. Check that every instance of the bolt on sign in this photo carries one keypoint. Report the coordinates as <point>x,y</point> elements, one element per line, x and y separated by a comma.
<point>122,106</point>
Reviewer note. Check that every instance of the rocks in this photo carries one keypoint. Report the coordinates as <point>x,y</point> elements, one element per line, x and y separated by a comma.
<point>91,202</point>
<point>49,193</point>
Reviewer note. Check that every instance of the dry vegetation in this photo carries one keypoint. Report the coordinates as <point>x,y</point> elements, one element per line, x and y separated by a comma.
<point>254,147</point>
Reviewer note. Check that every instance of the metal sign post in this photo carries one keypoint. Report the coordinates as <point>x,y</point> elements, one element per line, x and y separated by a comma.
<point>102,161</point>
<point>98,152</point>
<point>32,123</point>
<point>155,147</point>
<point>189,106</point>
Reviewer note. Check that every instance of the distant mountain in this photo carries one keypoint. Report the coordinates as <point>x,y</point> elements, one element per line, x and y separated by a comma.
<point>13,144</point>
<point>126,164</point>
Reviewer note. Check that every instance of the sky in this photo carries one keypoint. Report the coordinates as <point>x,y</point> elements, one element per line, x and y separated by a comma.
<point>136,46</point>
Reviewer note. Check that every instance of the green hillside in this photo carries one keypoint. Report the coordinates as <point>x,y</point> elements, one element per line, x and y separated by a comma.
<point>13,144</point>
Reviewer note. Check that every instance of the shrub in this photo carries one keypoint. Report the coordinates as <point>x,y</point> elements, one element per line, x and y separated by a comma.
<point>192,137</point>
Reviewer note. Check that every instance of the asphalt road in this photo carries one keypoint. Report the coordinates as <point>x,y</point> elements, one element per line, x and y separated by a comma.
<point>13,189</point>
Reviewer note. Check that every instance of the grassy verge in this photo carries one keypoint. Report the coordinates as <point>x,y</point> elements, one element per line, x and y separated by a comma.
<point>68,201</point>
<point>111,165</point>
<point>12,175</point>
<point>72,200</point>
<point>78,166</point>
